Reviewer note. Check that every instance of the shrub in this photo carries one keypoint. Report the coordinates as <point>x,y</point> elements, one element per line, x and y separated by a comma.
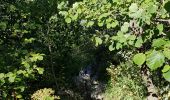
<point>44,94</point>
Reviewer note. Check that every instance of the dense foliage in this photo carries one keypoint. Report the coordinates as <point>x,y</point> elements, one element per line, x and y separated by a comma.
<point>47,43</point>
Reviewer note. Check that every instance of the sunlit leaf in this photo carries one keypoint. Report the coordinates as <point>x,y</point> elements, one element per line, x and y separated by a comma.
<point>133,7</point>
<point>11,79</point>
<point>166,68</point>
<point>125,27</point>
<point>152,9</point>
<point>155,60</point>
<point>118,45</point>
<point>158,42</point>
<point>40,70</point>
<point>167,75</point>
<point>111,48</point>
<point>139,42</point>
<point>2,75</point>
<point>139,59</point>
<point>68,20</point>
<point>98,41</point>
<point>160,27</point>
<point>90,23</point>
<point>166,53</point>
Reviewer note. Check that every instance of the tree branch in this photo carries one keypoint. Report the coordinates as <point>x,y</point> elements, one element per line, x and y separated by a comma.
<point>151,89</point>
<point>163,20</point>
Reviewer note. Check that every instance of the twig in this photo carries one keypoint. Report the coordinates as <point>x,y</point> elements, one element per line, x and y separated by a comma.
<point>51,59</point>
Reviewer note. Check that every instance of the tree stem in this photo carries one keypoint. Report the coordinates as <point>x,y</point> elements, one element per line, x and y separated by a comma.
<point>146,76</point>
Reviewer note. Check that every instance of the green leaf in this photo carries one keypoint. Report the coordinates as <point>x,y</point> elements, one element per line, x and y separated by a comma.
<point>75,5</point>
<point>125,27</point>
<point>108,20</point>
<point>3,25</point>
<point>20,72</point>
<point>9,74</point>
<point>167,75</point>
<point>139,42</point>
<point>133,7</point>
<point>2,75</point>
<point>160,28</point>
<point>19,96</point>
<point>79,11</point>
<point>61,5</point>
<point>74,17</point>
<point>120,34</point>
<point>152,8</point>
<point>64,13</point>
<point>122,39</point>
<point>12,8</point>
<point>40,70</point>
<point>106,37</point>
<point>137,14</point>
<point>49,98</point>
<point>118,46</point>
<point>22,88</point>
<point>100,24</point>
<point>109,26</point>
<point>166,68</point>
<point>167,45</point>
<point>111,48</point>
<point>11,79</point>
<point>166,53</point>
<point>139,59</point>
<point>131,37</point>
<point>2,82</point>
<point>98,41</point>
<point>155,60</point>
<point>36,57</point>
<point>104,15</point>
<point>158,42</point>
<point>30,40</point>
<point>130,42</point>
<point>90,23</point>
<point>114,24</point>
<point>39,57</point>
<point>68,20</point>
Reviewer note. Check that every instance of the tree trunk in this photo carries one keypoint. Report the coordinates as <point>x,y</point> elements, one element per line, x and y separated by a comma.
<point>152,91</point>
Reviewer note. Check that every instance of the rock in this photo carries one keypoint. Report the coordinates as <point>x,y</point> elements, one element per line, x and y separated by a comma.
<point>87,82</point>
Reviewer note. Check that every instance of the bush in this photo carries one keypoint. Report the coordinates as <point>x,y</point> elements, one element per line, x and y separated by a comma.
<point>125,83</point>
<point>44,94</point>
